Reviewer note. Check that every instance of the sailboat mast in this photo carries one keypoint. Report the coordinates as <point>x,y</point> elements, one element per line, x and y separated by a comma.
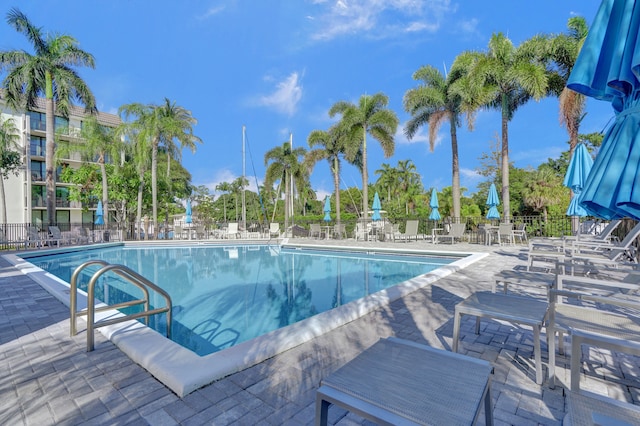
<point>244,171</point>
<point>290,207</point>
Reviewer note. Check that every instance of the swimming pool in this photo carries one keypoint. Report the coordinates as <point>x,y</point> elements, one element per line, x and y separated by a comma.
<point>257,309</point>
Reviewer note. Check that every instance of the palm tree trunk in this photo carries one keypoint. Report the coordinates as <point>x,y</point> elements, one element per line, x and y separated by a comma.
<point>105,192</point>
<point>50,174</point>
<point>154,183</point>
<point>286,202</point>
<point>365,176</point>
<point>455,172</point>
<point>505,164</point>
<point>139,211</point>
<point>4,202</point>
<point>336,184</point>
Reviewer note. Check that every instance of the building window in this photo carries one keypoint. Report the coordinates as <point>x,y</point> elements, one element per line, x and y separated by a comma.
<point>62,125</point>
<point>38,146</point>
<point>38,171</point>
<point>62,197</point>
<point>38,120</point>
<point>38,195</point>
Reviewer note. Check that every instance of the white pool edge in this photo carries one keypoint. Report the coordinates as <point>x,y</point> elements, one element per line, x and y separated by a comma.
<point>183,371</point>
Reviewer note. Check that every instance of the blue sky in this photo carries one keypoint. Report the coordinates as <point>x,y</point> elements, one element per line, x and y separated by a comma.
<point>278,66</point>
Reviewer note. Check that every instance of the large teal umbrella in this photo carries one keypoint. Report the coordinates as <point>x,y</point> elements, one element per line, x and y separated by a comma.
<point>188,218</point>
<point>376,207</point>
<point>575,178</point>
<point>493,202</point>
<point>435,214</point>
<point>99,214</point>
<point>327,209</point>
<point>607,69</point>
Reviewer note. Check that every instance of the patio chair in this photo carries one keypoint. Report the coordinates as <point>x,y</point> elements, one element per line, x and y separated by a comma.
<point>232,230</point>
<point>361,231</point>
<point>339,231</point>
<point>315,231</point>
<point>505,234</point>
<point>410,230</point>
<point>618,327</point>
<point>82,235</point>
<point>38,241</point>
<point>456,232</point>
<point>520,231</point>
<point>274,230</point>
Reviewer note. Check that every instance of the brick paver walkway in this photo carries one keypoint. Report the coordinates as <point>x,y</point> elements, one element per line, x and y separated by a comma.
<point>47,377</point>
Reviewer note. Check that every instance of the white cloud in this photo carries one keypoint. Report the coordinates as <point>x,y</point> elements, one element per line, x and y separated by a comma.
<point>286,96</point>
<point>377,18</point>
<point>212,11</point>
<point>421,137</point>
<point>226,175</point>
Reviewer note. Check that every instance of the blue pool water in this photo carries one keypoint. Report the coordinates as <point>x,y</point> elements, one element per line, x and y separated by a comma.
<point>226,295</point>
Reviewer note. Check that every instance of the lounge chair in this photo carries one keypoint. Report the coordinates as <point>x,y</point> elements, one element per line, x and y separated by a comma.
<point>607,253</point>
<point>456,232</point>
<point>5,241</point>
<point>57,235</point>
<point>410,230</point>
<point>618,331</point>
<point>587,408</point>
<point>38,241</point>
<point>361,232</point>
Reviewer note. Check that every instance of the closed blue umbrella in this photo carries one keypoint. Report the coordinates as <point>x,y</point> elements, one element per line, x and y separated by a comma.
<point>188,218</point>
<point>327,209</point>
<point>99,214</point>
<point>575,178</point>
<point>607,69</point>
<point>376,207</point>
<point>493,202</point>
<point>435,214</point>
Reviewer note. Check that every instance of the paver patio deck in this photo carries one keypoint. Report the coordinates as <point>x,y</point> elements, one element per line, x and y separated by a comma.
<point>47,377</point>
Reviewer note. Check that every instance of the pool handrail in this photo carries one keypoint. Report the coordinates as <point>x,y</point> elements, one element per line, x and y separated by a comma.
<point>131,276</point>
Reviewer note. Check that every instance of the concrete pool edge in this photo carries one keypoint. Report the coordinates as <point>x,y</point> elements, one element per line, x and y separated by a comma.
<point>183,371</point>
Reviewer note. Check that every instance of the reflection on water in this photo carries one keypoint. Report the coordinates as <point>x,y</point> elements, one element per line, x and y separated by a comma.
<point>226,295</point>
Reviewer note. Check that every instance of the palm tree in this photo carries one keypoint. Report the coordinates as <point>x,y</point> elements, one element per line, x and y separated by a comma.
<point>504,78</point>
<point>564,52</point>
<point>10,158</point>
<point>99,144</point>
<point>409,182</point>
<point>330,146</point>
<point>225,188</point>
<point>284,165</point>
<point>434,103</point>
<point>388,178</point>
<point>48,72</point>
<point>372,116</point>
<point>162,124</point>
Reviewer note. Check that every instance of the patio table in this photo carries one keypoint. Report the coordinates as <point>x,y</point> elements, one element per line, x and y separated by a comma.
<point>401,382</point>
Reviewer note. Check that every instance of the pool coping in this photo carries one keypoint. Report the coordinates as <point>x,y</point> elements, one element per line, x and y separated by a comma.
<point>183,371</point>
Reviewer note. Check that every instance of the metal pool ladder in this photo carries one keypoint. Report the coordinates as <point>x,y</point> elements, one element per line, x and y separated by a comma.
<point>131,276</point>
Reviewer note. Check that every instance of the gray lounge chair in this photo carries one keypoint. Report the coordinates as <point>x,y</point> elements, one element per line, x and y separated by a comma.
<point>410,231</point>
<point>587,408</point>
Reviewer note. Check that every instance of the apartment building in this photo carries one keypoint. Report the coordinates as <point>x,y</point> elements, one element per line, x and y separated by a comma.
<point>25,194</point>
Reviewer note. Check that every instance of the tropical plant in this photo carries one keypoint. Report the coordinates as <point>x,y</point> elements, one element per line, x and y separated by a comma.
<point>387,180</point>
<point>330,146</point>
<point>225,188</point>
<point>49,72</point>
<point>370,116</point>
<point>10,158</point>
<point>504,77</point>
<point>433,103</point>
<point>283,164</point>
<point>99,144</point>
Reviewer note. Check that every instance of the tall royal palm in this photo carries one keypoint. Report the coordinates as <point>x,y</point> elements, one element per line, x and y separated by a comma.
<point>328,146</point>
<point>49,72</point>
<point>433,103</point>
<point>283,164</point>
<point>370,116</point>
<point>162,124</point>
<point>505,77</point>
